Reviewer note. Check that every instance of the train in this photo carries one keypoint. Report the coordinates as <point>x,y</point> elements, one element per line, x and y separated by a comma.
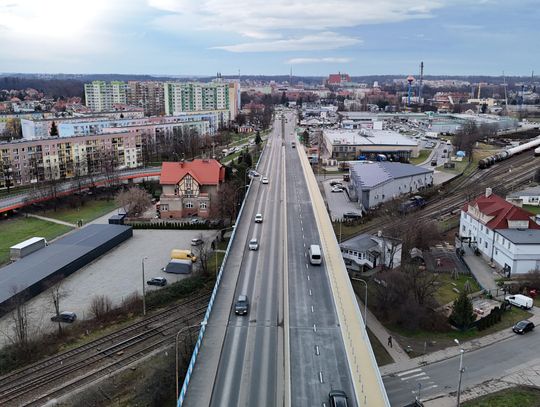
<point>509,152</point>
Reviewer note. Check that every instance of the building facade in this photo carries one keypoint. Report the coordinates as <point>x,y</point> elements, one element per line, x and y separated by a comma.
<point>503,234</point>
<point>188,187</point>
<point>366,252</point>
<point>150,95</point>
<point>101,95</point>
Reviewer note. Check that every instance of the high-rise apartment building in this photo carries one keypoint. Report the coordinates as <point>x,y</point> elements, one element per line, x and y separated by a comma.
<point>101,96</point>
<point>202,97</point>
<point>149,95</point>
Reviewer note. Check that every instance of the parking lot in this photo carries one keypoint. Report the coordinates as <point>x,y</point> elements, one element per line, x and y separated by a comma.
<point>116,274</point>
<point>338,202</point>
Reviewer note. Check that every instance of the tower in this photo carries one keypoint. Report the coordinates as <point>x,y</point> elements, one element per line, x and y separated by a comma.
<point>420,82</point>
<point>410,79</point>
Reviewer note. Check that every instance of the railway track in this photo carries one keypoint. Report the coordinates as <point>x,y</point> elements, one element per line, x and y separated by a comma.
<point>35,384</point>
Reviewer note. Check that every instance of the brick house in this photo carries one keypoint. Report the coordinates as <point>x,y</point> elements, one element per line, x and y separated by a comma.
<point>187,187</point>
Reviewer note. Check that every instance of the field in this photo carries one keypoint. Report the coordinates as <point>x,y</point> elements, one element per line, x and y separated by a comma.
<point>514,397</point>
<point>16,230</point>
<point>88,212</point>
<point>424,154</point>
<point>445,293</point>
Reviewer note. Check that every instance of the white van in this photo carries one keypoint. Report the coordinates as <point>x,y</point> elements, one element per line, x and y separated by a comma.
<point>315,256</point>
<point>519,300</point>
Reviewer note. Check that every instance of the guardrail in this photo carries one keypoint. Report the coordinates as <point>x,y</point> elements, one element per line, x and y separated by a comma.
<point>193,359</point>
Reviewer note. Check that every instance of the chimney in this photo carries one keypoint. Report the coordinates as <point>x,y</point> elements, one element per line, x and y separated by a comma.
<point>488,192</point>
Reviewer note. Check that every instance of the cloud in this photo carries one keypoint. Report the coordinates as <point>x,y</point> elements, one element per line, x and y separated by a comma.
<point>319,41</point>
<point>328,60</point>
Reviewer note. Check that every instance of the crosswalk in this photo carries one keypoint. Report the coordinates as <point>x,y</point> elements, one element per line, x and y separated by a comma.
<point>417,380</point>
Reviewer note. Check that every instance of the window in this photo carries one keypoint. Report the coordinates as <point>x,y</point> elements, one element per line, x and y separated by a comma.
<point>188,204</point>
<point>164,207</point>
<point>486,245</point>
<point>464,228</point>
<point>203,205</point>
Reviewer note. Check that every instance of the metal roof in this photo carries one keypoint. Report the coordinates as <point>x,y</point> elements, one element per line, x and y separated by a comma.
<point>532,191</point>
<point>369,174</point>
<point>521,236</point>
<point>361,243</point>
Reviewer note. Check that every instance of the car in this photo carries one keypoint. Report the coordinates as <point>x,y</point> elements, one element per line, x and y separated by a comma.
<point>196,241</point>
<point>264,180</point>
<point>253,173</point>
<point>241,307</point>
<point>65,316</point>
<point>338,398</point>
<point>258,218</point>
<point>253,244</point>
<point>523,327</point>
<point>160,281</point>
<point>336,189</point>
<point>335,183</point>
<point>352,215</point>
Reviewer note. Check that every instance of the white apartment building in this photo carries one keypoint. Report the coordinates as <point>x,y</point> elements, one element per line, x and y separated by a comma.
<point>101,96</point>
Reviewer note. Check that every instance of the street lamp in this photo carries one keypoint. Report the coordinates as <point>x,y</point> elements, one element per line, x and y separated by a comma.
<point>143,286</point>
<point>201,324</point>
<point>461,370</point>
<point>365,302</point>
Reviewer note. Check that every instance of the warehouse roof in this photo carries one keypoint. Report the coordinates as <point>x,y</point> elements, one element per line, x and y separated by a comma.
<point>368,137</point>
<point>370,174</point>
<point>532,191</point>
<point>64,252</point>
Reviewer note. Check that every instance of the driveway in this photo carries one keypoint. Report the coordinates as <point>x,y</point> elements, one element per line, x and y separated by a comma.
<point>338,202</point>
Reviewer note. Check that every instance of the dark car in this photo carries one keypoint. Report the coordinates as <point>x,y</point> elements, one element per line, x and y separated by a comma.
<point>352,215</point>
<point>160,281</point>
<point>65,316</point>
<point>196,241</point>
<point>241,307</point>
<point>332,183</point>
<point>523,326</point>
<point>338,398</point>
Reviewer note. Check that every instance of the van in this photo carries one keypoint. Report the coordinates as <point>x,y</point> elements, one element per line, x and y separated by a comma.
<point>315,256</point>
<point>519,300</point>
<point>183,255</point>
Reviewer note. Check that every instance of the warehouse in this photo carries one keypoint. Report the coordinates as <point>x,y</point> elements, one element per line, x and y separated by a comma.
<point>372,183</point>
<point>30,275</point>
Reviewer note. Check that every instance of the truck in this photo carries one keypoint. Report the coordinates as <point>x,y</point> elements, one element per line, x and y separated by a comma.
<point>176,266</point>
<point>520,300</point>
<point>414,203</point>
<point>185,255</point>
<point>23,249</point>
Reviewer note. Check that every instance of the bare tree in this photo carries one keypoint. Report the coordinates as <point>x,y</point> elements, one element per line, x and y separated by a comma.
<point>134,200</point>
<point>204,254</point>
<point>100,307</point>
<point>56,294</point>
<point>19,317</point>
<point>422,284</point>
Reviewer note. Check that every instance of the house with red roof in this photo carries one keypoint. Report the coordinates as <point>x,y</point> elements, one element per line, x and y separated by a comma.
<point>505,234</point>
<point>187,187</point>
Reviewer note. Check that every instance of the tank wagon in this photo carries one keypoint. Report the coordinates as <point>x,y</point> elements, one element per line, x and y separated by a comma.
<point>509,152</point>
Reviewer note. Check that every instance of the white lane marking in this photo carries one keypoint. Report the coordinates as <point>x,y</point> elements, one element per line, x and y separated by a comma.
<point>320,377</point>
<point>424,378</point>
<point>310,292</point>
<point>413,376</point>
<point>312,310</point>
<point>314,328</point>
<point>303,237</point>
<point>307,266</point>
<point>427,388</point>
<point>408,372</point>
<point>305,246</point>
<point>317,352</point>
<point>308,278</point>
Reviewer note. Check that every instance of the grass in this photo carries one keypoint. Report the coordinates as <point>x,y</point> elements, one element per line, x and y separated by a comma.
<point>90,211</point>
<point>381,355</point>
<point>16,230</point>
<point>532,208</point>
<point>424,154</point>
<point>513,397</point>
<point>445,293</point>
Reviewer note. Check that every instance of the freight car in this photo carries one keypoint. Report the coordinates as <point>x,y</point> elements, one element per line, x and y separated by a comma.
<point>509,152</point>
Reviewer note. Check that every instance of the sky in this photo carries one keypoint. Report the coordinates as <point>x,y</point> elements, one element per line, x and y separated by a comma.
<point>270,37</point>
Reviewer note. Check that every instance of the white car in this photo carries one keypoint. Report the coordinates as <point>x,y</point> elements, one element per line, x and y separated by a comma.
<point>258,218</point>
<point>253,244</point>
<point>337,189</point>
<point>264,180</point>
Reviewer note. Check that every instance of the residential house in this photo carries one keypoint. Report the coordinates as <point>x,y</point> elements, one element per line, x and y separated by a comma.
<point>365,252</point>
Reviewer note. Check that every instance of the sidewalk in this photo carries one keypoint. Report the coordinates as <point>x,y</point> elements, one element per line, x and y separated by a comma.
<point>60,222</point>
<point>484,274</point>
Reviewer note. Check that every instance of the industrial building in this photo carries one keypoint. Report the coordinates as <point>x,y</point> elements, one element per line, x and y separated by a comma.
<point>373,183</point>
<point>30,275</point>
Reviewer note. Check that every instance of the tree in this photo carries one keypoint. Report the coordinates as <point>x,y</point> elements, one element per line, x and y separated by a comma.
<point>19,317</point>
<point>134,201</point>
<point>462,315</point>
<point>284,99</point>
<point>258,139</point>
<point>203,254</point>
<point>54,130</point>
<point>56,295</point>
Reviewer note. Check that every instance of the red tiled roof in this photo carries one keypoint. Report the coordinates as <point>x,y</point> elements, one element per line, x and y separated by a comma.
<point>205,172</point>
<point>501,210</point>
<point>337,78</point>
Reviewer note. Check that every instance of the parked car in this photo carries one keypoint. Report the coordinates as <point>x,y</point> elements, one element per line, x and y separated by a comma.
<point>253,173</point>
<point>65,316</point>
<point>352,215</point>
<point>159,281</point>
<point>198,221</point>
<point>196,241</point>
<point>253,244</point>
<point>241,307</point>
<point>335,183</point>
<point>258,218</point>
<point>519,300</point>
<point>264,180</point>
<point>336,189</point>
<point>523,327</point>
<point>338,398</point>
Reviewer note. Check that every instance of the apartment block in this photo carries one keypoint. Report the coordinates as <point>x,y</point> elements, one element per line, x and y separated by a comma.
<point>102,96</point>
<point>149,95</point>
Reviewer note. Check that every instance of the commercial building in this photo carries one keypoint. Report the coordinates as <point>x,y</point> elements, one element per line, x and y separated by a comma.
<point>101,96</point>
<point>188,187</point>
<point>345,144</point>
<point>503,233</point>
<point>150,95</point>
<point>372,183</point>
<point>527,196</point>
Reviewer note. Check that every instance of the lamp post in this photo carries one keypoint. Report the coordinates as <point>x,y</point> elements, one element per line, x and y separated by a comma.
<point>365,302</point>
<point>201,324</point>
<point>143,287</point>
<point>461,370</point>
<point>236,198</point>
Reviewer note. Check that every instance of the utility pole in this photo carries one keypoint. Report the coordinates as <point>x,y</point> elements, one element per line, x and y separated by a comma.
<point>461,369</point>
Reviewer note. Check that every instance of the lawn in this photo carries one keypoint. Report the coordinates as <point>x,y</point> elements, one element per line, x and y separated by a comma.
<point>424,154</point>
<point>445,293</point>
<point>381,355</point>
<point>513,397</point>
<point>532,208</point>
<point>14,231</point>
<point>90,211</point>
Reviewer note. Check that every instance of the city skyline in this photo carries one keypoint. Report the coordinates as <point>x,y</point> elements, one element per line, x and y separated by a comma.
<point>183,37</point>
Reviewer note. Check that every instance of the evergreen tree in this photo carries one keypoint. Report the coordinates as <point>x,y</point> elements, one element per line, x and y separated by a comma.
<point>462,315</point>
<point>54,129</point>
<point>258,139</point>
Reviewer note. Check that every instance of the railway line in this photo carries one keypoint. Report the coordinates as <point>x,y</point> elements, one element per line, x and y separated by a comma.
<point>58,375</point>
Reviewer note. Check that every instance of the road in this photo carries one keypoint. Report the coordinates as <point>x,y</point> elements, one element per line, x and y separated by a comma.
<point>254,366</point>
<point>491,362</point>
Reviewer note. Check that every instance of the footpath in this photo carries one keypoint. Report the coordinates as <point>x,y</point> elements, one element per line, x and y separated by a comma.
<point>486,276</point>
<point>60,222</point>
